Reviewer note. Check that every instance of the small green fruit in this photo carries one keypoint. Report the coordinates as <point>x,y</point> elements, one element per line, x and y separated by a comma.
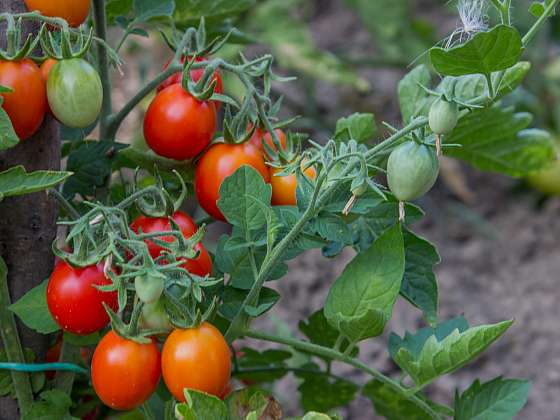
<point>148,288</point>
<point>547,180</point>
<point>154,317</point>
<point>443,116</point>
<point>412,170</point>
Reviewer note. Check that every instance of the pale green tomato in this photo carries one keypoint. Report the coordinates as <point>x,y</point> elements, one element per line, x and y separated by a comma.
<point>154,317</point>
<point>75,93</point>
<point>547,180</point>
<point>443,116</point>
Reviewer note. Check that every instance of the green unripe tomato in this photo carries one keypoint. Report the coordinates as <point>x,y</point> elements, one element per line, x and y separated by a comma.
<point>75,93</point>
<point>412,170</point>
<point>547,180</point>
<point>154,317</point>
<point>148,288</point>
<point>443,116</point>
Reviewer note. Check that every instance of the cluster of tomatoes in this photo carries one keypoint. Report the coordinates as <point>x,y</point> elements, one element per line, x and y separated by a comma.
<point>125,372</point>
<point>70,88</point>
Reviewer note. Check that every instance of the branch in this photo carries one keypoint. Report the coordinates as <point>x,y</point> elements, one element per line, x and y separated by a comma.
<point>539,22</point>
<point>103,66</point>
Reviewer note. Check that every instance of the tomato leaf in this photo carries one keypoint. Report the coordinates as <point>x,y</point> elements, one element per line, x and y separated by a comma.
<point>16,181</point>
<point>55,404</point>
<point>361,300</point>
<point>419,285</point>
<point>244,402</point>
<point>359,127</point>
<point>265,366</point>
<point>498,399</point>
<point>8,136</point>
<point>413,99</point>
<point>200,405</point>
<point>486,52</point>
<point>497,140</point>
<point>233,299</point>
<point>145,10</point>
<point>432,353</point>
<point>32,309</point>
<point>319,331</point>
<point>189,11</point>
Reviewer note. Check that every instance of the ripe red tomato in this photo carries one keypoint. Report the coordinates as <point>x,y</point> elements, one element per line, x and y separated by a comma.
<point>27,104</point>
<point>284,187</point>
<point>178,126</point>
<point>74,12</point>
<point>219,162</point>
<point>125,373</point>
<point>196,74</point>
<point>259,135</point>
<point>75,304</point>
<point>201,265</point>
<point>196,358</point>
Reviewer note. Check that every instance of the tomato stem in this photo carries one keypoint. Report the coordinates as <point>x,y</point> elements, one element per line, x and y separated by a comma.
<point>100,25</point>
<point>539,22</point>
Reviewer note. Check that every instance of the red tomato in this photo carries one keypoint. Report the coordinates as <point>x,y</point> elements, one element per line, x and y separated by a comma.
<point>219,162</point>
<point>201,266</point>
<point>74,12</point>
<point>196,358</point>
<point>284,187</point>
<point>75,304</point>
<point>125,373</point>
<point>196,74</point>
<point>259,135</point>
<point>45,70</point>
<point>178,126</point>
<point>27,104</point>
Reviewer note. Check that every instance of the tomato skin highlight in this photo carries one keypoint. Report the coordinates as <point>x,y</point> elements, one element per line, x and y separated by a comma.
<point>259,135</point>
<point>125,373</point>
<point>75,92</point>
<point>201,265</point>
<point>178,126</point>
<point>196,358</point>
<point>217,163</point>
<point>74,12</point>
<point>196,74</point>
<point>74,303</point>
<point>284,187</point>
<point>27,104</point>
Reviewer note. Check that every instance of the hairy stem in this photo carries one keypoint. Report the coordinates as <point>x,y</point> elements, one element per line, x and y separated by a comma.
<point>539,22</point>
<point>103,66</point>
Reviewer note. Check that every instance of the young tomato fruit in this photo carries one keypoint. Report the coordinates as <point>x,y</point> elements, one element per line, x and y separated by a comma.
<point>75,304</point>
<point>154,317</point>
<point>196,358</point>
<point>284,187</point>
<point>196,74</point>
<point>201,265</point>
<point>74,12</point>
<point>259,135</point>
<point>75,92</point>
<point>125,373</point>
<point>178,126</point>
<point>412,170</point>
<point>443,116</point>
<point>547,180</point>
<point>219,162</point>
<point>27,103</point>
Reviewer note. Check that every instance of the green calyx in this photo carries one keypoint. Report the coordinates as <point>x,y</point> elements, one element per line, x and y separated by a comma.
<point>70,45</point>
<point>17,48</point>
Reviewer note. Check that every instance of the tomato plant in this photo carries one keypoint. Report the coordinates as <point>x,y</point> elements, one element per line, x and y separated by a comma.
<point>216,164</point>
<point>196,358</point>
<point>74,12</point>
<point>71,290</point>
<point>125,373</point>
<point>260,137</point>
<point>195,75</point>
<point>26,104</point>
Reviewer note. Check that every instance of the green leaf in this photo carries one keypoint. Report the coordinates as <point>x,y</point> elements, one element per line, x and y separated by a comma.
<point>537,9</point>
<point>6,385</point>
<point>439,356</point>
<point>91,161</point>
<point>145,10</point>
<point>413,99</point>
<point>323,393</point>
<point>200,405</point>
<point>498,399</point>
<point>16,181</point>
<point>319,331</point>
<point>116,8</point>
<point>233,299</point>
<point>54,405</point>
<point>82,340</point>
<point>32,309</point>
<point>189,11</point>
<point>242,198</point>
<point>359,127</point>
<point>497,140</point>
<point>419,285</point>
<point>245,401</point>
<point>390,404</point>
<point>486,52</point>
<point>266,366</point>
<point>361,300</point>
<point>8,136</point>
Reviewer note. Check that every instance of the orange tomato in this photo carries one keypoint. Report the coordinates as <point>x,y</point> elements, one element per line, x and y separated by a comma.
<point>259,135</point>
<point>74,12</point>
<point>284,187</point>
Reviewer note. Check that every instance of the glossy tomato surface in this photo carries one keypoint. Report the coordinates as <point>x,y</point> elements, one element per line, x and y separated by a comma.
<point>217,163</point>
<point>46,67</point>
<point>178,126</point>
<point>201,265</point>
<point>284,187</point>
<point>259,136</point>
<point>74,12</point>
<point>27,103</point>
<point>75,92</point>
<point>196,74</point>
<point>75,304</point>
<point>196,358</point>
<point>125,373</point>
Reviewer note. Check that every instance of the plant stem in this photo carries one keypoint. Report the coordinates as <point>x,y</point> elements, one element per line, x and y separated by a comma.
<point>12,345</point>
<point>103,66</point>
<point>65,380</point>
<point>539,22</point>
<point>326,352</point>
<point>490,85</point>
